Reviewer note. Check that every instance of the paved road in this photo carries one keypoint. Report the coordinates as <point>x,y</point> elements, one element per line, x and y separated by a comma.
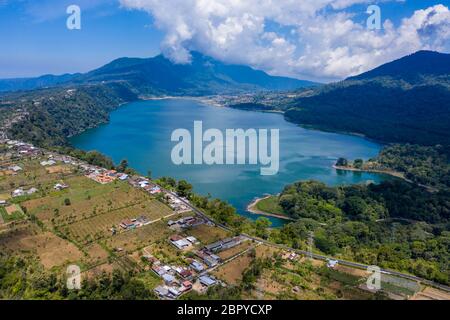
<point>314,255</point>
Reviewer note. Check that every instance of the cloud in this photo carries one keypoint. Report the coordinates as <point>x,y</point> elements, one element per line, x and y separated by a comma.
<point>311,39</point>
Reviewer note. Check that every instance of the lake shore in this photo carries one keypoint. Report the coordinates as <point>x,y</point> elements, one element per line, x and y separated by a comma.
<point>395,174</point>
<point>252,208</point>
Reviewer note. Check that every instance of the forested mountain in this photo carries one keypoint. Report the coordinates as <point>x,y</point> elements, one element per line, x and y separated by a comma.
<point>413,68</point>
<point>33,83</point>
<point>158,75</point>
<point>49,116</point>
<point>380,109</point>
<point>406,101</point>
<point>393,225</point>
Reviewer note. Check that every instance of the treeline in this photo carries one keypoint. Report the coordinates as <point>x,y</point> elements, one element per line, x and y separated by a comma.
<point>423,165</point>
<point>51,116</point>
<point>356,222</point>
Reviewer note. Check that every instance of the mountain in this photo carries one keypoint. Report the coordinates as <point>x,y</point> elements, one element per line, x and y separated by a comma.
<point>158,75</point>
<point>413,68</point>
<point>405,101</point>
<point>34,83</point>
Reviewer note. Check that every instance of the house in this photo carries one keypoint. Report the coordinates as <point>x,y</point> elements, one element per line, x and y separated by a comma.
<point>214,247</point>
<point>48,163</point>
<point>167,268</point>
<point>60,186</point>
<point>211,261</point>
<point>143,184</point>
<point>173,292</point>
<point>187,285</point>
<point>181,244</point>
<point>184,273</point>
<point>155,189</point>
<point>15,168</point>
<point>161,291</point>
<point>207,280</point>
<point>160,271</point>
<point>123,177</point>
<point>168,278</point>
<point>197,266</point>
<point>192,240</point>
<point>32,190</point>
<point>332,263</point>
<point>175,237</point>
<point>18,193</point>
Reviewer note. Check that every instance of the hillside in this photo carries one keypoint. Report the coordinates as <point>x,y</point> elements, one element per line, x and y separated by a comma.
<point>405,101</point>
<point>47,117</point>
<point>413,68</point>
<point>158,75</point>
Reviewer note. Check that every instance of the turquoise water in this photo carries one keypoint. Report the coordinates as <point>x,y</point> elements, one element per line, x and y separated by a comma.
<point>140,132</point>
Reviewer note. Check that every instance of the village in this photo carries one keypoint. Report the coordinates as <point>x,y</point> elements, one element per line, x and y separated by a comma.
<point>68,211</point>
<point>176,280</point>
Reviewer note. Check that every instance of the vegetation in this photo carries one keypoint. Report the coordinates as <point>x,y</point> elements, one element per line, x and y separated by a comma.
<point>358,222</point>
<point>428,166</point>
<point>24,278</point>
<point>50,116</point>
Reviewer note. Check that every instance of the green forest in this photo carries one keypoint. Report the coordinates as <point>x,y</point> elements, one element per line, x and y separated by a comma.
<point>393,225</point>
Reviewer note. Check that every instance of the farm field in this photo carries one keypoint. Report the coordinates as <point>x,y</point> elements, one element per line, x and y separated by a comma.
<point>87,199</point>
<point>51,250</point>
<point>32,175</point>
<point>224,255</point>
<point>133,240</point>
<point>11,213</point>
<point>232,271</point>
<point>207,234</point>
<point>99,226</point>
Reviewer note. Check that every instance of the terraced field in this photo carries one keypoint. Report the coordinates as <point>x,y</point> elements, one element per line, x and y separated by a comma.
<point>99,226</point>
<point>87,199</point>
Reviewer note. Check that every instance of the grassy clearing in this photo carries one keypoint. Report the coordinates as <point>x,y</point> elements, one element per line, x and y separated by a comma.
<point>232,271</point>
<point>138,238</point>
<point>11,213</point>
<point>207,234</point>
<point>270,205</point>
<point>87,199</point>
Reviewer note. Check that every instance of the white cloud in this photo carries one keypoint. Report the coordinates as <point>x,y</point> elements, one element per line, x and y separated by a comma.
<point>314,39</point>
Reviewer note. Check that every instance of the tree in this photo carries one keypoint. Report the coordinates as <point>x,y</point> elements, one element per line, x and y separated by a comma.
<point>342,162</point>
<point>122,166</point>
<point>261,225</point>
<point>67,202</point>
<point>184,188</point>
<point>358,163</point>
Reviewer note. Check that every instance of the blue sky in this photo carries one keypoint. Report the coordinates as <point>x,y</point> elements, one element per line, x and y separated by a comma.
<point>34,38</point>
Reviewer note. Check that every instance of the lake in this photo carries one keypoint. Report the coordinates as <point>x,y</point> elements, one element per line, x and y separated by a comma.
<point>141,133</point>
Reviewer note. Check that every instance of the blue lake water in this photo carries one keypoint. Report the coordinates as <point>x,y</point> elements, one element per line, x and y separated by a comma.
<point>141,133</point>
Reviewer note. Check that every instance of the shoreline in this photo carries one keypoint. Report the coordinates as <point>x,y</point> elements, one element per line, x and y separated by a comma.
<point>394,174</point>
<point>252,209</point>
